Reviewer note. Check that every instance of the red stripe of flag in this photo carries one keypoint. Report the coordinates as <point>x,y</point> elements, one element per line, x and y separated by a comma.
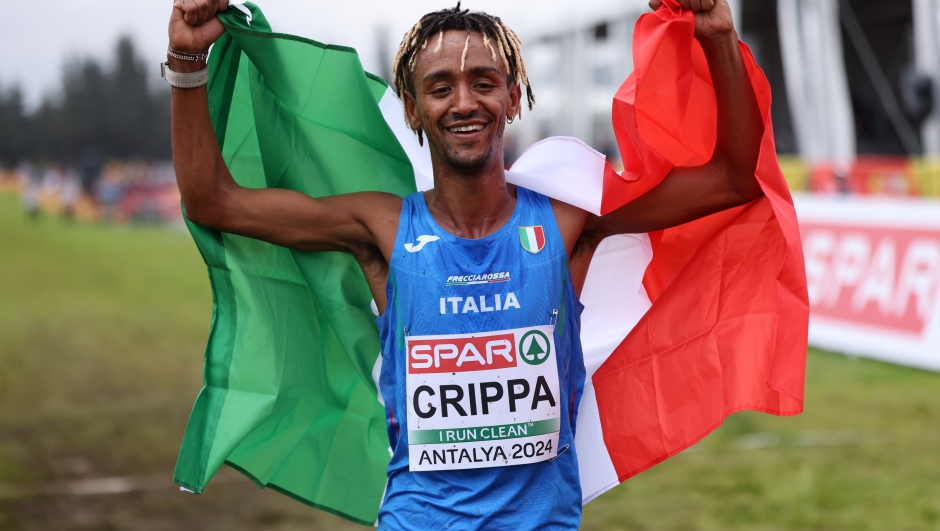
<point>728,326</point>
<point>539,238</point>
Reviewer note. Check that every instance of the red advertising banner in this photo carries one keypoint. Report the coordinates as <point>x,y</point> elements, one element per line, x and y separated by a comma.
<point>873,273</point>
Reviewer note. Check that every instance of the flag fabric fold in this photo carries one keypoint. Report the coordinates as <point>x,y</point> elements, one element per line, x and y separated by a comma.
<point>681,328</point>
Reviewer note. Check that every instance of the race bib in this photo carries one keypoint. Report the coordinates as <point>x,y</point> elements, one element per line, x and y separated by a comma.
<point>482,400</point>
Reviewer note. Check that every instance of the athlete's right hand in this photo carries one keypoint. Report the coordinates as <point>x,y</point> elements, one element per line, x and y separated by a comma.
<point>194,26</point>
<point>712,18</point>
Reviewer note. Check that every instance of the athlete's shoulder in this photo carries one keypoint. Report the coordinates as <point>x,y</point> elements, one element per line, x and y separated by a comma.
<point>571,221</point>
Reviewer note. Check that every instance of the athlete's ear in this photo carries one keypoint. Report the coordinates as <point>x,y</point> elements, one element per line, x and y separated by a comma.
<point>515,100</point>
<point>412,116</point>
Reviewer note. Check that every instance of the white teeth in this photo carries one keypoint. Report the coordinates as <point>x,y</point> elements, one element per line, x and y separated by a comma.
<point>466,129</point>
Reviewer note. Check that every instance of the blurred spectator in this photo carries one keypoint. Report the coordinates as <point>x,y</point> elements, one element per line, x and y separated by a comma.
<point>30,198</point>
<point>71,189</point>
<point>139,192</point>
<point>108,194</point>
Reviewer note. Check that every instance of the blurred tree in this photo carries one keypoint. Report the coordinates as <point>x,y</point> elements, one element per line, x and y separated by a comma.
<point>99,113</point>
<point>135,118</point>
<point>84,112</point>
<point>14,127</point>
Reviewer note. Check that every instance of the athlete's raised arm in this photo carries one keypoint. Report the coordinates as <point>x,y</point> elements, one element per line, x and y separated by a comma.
<point>211,196</point>
<point>727,180</point>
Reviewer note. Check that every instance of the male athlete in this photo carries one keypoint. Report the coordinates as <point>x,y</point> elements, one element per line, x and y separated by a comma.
<point>477,280</point>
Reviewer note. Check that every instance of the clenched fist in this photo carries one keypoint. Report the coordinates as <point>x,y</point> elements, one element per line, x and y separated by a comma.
<point>193,25</point>
<point>712,17</point>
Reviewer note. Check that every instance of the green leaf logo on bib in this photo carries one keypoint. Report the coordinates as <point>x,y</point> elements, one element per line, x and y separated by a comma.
<point>534,348</point>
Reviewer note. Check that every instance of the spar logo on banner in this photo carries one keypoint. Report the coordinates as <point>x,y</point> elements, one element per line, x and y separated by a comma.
<point>874,276</point>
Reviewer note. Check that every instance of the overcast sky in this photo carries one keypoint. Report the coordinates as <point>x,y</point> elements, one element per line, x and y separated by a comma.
<point>43,35</point>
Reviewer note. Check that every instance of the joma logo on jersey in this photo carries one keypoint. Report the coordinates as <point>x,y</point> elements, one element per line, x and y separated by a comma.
<point>475,280</point>
<point>422,242</point>
<point>461,354</point>
<point>481,304</point>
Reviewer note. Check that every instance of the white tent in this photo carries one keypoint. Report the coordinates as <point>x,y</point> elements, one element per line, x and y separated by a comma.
<point>927,57</point>
<point>818,90</point>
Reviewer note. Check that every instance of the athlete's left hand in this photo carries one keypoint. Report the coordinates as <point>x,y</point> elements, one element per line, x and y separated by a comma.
<point>712,17</point>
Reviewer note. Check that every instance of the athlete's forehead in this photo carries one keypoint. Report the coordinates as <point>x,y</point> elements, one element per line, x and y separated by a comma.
<point>455,52</point>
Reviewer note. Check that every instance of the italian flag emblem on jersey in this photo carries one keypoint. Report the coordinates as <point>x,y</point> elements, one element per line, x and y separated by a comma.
<point>680,328</point>
<point>532,238</point>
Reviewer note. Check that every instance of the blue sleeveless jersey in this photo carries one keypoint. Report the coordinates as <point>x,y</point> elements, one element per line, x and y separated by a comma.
<point>482,373</point>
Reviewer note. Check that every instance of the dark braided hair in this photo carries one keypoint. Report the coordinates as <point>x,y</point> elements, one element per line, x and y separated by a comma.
<point>435,24</point>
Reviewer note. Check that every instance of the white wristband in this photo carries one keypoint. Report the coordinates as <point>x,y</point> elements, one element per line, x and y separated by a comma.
<point>184,80</point>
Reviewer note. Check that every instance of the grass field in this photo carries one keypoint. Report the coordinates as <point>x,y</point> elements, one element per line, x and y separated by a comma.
<point>102,332</point>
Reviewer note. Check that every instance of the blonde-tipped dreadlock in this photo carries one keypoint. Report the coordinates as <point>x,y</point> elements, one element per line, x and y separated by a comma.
<point>435,24</point>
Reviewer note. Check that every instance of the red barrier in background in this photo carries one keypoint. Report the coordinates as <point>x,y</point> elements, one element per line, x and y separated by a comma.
<point>868,175</point>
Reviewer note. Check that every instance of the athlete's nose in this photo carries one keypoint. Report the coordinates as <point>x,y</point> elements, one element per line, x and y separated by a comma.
<point>465,102</point>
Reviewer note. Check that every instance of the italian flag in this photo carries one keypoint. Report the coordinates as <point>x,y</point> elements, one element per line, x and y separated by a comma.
<point>681,329</point>
<point>532,238</point>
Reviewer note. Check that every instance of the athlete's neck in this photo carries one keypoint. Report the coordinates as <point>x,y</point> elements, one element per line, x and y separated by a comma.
<point>472,207</point>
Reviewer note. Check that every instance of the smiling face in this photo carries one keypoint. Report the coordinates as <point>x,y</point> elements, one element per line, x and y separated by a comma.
<point>463,112</point>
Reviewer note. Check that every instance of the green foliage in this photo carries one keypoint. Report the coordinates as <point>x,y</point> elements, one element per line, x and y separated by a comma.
<point>102,333</point>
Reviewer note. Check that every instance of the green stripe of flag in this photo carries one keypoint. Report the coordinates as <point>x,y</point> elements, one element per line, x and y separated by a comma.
<point>289,398</point>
